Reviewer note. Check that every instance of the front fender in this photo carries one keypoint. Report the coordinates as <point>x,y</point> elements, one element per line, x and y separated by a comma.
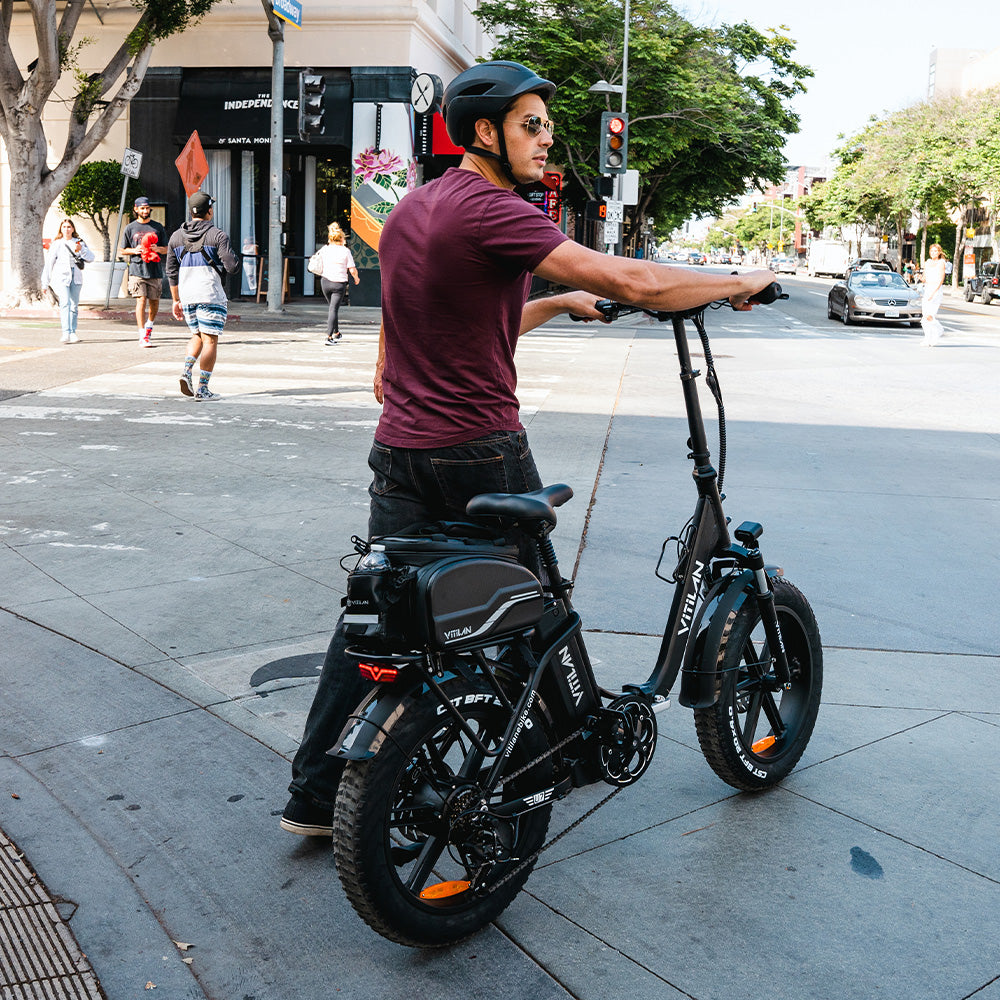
<point>701,682</point>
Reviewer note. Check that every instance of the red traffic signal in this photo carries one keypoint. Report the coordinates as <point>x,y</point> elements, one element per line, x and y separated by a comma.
<point>614,143</point>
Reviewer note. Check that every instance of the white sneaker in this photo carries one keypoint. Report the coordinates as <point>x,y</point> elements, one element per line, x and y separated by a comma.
<point>73,339</point>
<point>65,338</point>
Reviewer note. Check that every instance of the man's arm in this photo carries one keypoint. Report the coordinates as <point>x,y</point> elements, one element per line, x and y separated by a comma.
<point>644,283</point>
<point>380,363</point>
<point>540,311</point>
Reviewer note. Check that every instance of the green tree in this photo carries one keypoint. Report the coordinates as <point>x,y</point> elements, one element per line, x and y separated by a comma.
<point>708,107</point>
<point>95,191</point>
<point>99,98</point>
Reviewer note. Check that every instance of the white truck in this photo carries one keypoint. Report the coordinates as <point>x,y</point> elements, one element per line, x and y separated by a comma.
<point>828,257</point>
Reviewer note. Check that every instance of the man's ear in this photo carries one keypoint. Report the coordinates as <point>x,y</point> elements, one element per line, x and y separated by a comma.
<point>486,133</point>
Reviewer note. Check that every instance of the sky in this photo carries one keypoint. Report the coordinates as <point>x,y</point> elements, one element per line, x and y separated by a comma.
<point>870,57</point>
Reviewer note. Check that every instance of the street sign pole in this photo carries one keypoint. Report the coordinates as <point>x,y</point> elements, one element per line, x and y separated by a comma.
<point>131,162</point>
<point>275,264</point>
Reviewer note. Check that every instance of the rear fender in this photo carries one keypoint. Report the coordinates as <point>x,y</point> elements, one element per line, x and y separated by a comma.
<point>367,728</point>
<point>701,682</point>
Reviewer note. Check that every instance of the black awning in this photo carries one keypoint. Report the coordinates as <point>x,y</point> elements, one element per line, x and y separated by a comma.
<point>232,107</point>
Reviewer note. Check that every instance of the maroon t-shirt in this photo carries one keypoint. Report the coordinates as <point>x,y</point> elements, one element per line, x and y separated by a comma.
<point>456,258</point>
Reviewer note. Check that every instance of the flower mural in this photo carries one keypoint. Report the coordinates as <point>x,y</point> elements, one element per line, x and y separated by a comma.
<point>374,163</point>
<point>381,178</point>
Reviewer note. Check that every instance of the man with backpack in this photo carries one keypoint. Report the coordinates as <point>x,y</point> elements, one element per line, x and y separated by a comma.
<point>199,255</point>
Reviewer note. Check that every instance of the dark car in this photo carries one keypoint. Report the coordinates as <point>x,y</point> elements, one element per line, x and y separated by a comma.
<point>986,285</point>
<point>695,257</point>
<point>875,296</point>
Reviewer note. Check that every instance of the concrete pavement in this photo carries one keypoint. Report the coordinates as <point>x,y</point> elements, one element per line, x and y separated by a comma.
<point>170,574</point>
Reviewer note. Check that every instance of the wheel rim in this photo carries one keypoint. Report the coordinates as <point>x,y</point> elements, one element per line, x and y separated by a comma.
<point>755,707</point>
<point>437,838</point>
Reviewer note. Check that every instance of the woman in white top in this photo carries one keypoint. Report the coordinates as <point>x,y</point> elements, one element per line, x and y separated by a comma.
<point>933,293</point>
<point>337,263</point>
<point>63,273</point>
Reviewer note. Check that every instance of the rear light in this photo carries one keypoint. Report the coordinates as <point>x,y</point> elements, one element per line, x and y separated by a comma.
<point>380,675</point>
<point>995,281</point>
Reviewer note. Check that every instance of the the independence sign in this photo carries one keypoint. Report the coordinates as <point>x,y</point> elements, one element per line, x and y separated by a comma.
<point>288,10</point>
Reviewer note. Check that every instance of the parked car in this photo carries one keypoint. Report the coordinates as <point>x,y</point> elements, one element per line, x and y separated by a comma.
<point>874,296</point>
<point>986,285</point>
<point>696,257</point>
<point>784,265</point>
<point>866,264</point>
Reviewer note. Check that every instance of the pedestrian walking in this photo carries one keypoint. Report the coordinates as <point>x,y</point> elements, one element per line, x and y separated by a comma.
<point>143,242</point>
<point>934,272</point>
<point>456,259</point>
<point>63,273</point>
<point>199,254</point>
<point>336,263</point>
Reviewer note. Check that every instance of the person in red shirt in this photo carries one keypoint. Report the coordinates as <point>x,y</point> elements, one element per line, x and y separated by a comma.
<point>456,258</point>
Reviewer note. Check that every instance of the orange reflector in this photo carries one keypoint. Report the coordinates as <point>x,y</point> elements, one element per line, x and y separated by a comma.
<point>443,889</point>
<point>381,675</point>
<point>765,744</point>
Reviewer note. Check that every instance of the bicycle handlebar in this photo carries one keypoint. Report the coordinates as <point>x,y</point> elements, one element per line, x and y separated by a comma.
<point>612,310</point>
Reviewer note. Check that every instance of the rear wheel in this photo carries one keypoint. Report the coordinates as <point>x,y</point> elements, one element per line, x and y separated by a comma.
<point>753,736</point>
<point>969,293</point>
<point>424,855</point>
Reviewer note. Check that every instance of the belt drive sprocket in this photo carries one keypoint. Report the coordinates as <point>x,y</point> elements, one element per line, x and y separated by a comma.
<point>627,739</point>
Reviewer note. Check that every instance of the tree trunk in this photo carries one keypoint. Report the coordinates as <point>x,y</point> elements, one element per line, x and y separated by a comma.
<point>27,214</point>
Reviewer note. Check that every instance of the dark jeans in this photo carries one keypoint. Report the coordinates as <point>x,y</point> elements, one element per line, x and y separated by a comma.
<point>333,292</point>
<point>409,486</point>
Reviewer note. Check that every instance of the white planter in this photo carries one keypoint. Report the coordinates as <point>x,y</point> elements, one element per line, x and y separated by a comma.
<point>95,281</point>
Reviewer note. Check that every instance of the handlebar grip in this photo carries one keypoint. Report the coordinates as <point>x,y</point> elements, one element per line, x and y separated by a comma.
<point>768,295</point>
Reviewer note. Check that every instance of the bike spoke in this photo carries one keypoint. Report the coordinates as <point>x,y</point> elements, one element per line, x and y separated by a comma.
<point>432,849</point>
<point>752,716</point>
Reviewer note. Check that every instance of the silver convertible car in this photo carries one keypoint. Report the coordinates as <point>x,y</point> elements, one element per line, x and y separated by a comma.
<point>874,297</point>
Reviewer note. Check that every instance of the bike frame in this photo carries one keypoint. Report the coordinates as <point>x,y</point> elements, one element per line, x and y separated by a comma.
<point>713,577</point>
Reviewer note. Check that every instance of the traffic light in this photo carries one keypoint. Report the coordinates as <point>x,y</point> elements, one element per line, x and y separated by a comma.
<point>311,89</point>
<point>614,142</point>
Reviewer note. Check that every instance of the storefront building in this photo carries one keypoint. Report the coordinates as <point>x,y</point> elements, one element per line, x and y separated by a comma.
<point>216,80</point>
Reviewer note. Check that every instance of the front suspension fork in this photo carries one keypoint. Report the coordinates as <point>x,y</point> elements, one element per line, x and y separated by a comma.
<point>748,533</point>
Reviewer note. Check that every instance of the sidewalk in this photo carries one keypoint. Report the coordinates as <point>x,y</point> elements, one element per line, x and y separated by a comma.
<point>169,577</point>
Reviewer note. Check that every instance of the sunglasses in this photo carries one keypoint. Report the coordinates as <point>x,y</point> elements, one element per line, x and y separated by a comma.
<point>534,124</point>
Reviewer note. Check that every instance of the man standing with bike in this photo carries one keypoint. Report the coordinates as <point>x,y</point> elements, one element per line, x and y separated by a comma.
<point>457,257</point>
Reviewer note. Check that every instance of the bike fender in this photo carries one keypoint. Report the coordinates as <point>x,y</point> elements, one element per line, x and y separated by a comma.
<point>701,682</point>
<point>366,729</point>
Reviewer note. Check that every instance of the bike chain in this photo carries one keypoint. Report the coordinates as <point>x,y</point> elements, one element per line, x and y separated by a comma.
<point>590,812</point>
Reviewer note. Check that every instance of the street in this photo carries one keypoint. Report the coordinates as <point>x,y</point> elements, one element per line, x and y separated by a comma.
<point>169,577</point>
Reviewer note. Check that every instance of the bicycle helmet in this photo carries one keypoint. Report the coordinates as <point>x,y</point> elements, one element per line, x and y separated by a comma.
<point>486,91</point>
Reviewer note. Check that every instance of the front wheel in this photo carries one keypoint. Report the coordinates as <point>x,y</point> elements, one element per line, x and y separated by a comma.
<point>425,856</point>
<point>753,736</point>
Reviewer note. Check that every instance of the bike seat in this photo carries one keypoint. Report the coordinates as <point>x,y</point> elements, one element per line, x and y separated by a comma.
<point>535,506</point>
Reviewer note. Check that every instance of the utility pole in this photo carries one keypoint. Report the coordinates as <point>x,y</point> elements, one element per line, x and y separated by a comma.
<point>275,264</point>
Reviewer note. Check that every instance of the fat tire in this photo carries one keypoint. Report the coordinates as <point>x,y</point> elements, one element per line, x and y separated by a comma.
<point>362,822</point>
<point>721,732</point>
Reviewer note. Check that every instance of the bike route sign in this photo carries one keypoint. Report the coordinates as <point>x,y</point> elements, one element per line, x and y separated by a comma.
<point>131,162</point>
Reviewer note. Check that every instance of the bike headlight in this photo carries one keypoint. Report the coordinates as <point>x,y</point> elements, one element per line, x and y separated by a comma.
<point>863,302</point>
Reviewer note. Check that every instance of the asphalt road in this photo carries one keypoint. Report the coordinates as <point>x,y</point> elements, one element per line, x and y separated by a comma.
<point>169,575</point>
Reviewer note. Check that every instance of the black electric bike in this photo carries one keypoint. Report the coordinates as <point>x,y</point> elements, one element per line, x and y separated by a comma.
<point>486,710</point>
